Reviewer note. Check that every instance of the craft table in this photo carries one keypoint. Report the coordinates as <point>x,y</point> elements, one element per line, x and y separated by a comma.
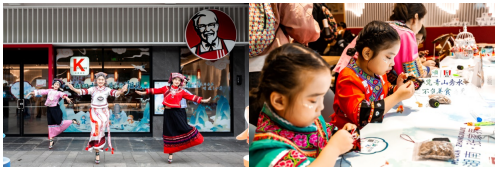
<point>425,123</point>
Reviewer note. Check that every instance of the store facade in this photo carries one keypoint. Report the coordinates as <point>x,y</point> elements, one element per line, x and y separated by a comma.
<point>135,44</point>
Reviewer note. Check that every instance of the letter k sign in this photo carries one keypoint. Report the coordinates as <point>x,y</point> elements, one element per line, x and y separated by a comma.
<point>79,65</point>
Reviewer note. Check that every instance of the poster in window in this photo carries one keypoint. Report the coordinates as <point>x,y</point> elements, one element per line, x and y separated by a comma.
<point>158,107</point>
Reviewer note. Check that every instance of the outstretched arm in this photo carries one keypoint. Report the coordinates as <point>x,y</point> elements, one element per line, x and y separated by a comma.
<point>27,95</point>
<point>188,96</point>
<point>206,100</point>
<point>153,91</point>
<point>77,91</point>
<point>38,92</point>
<point>122,90</point>
<point>67,99</point>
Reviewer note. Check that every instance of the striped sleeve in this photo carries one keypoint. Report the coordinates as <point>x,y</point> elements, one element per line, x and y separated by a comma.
<point>157,90</point>
<point>191,97</point>
<point>85,91</point>
<point>114,93</point>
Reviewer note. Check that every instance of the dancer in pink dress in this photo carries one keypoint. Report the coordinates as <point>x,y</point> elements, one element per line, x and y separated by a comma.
<point>54,114</point>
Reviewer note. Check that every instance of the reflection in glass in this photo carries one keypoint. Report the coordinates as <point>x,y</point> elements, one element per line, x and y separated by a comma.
<point>208,79</point>
<point>11,116</point>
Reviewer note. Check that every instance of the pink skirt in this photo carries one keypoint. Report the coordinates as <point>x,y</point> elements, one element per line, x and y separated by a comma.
<point>55,130</point>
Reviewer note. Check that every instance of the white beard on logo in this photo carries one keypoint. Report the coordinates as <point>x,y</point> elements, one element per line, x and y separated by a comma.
<point>211,38</point>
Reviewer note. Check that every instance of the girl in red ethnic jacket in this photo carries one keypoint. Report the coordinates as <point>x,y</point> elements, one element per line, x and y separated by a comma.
<point>177,134</point>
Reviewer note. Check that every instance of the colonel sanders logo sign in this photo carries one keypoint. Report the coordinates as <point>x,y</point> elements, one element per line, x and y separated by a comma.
<point>446,73</point>
<point>210,34</point>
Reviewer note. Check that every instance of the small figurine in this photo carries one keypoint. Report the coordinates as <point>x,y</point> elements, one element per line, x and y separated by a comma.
<point>84,119</point>
<point>130,119</point>
<point>417,82</point>
<point>419,104</point>
<point>386,164</point>
<point>400,109</point>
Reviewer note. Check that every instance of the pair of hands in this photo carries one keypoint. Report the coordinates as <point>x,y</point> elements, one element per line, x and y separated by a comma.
<point>405,90</point>
<point>342,140</point>
<point>425,62</point>
<point>142,93</point>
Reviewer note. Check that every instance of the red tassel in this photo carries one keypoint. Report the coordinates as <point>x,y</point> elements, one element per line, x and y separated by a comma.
<point>86,148</point>
<point>112,152</point>
<point>106,149</point>
<point>113,149</point>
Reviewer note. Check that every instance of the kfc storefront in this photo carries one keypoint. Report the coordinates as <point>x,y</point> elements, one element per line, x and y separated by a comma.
<point>134,44</point>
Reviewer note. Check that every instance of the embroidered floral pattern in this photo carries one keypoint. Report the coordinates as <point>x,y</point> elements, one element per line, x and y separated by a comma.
<point>291,159</point>
<point>272,128</point>
<point>310,142</point>
<point>287,134</point>
<point>300,140</point>
<point>372,81</point>
<point>321,143</point>
<point>313,139</point>
<point>284,163</point>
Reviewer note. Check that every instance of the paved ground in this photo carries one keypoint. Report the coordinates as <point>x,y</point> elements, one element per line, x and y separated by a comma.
<point>129,152</point>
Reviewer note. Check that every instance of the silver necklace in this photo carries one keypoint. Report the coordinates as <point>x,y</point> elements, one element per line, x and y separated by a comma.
<point>173,92</point>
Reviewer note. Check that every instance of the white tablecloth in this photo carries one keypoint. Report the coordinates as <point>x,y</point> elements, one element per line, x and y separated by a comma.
<point>425,123</point>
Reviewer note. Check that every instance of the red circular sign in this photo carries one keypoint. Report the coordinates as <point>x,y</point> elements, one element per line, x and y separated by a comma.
<point>210,34</point>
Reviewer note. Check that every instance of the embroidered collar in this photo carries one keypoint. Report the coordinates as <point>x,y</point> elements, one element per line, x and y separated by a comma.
<point>100,88</point>
<point>373,81</point>
<point>308,140</point>
<point>284,123</point>
<point>401,25</point>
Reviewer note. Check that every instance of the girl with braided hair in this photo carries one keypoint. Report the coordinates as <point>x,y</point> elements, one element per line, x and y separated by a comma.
<point>54,114</point>
<point>99,112</point>
<point>362,92</point>
<point>290,129</point>
<point>407,19</point>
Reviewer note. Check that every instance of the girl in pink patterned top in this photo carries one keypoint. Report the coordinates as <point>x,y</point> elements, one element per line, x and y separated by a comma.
<point>54,114</point>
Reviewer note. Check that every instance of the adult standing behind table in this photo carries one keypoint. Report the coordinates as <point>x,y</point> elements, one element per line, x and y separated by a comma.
<point>322,15</point>
<point>293,21</point>
<point>407,20</point>
<point>344,37</point>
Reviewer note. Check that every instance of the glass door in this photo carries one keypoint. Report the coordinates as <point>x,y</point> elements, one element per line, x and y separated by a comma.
<point>11,113</point>
<point>35,77</point>
<point>24,70</point>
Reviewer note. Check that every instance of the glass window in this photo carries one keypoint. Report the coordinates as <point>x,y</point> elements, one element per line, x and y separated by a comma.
<point>123,66</point>
<point>208,79</point>
<point>128,66</point>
